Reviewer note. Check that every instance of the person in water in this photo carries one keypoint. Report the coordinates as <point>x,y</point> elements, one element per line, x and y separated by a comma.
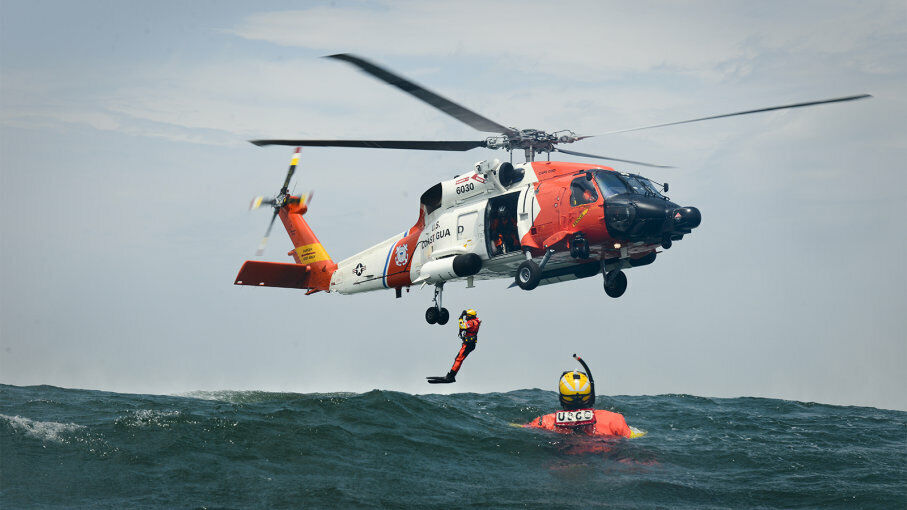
<point>576,392</point>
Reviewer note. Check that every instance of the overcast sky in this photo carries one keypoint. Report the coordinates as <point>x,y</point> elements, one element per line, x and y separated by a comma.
<point>126,176</point>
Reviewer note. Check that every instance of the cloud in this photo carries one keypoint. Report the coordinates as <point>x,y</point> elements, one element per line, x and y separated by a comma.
<point>601,38</point>
<point>591,67</point>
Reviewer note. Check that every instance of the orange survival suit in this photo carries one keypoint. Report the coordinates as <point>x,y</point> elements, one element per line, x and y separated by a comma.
<point>469,333</point>
<point>606,424</point>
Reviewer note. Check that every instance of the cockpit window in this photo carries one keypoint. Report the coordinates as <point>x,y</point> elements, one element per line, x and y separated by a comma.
<point>610,183</point>
<point>636,185</point>
<point>582,191</point>
<point>643,186</point>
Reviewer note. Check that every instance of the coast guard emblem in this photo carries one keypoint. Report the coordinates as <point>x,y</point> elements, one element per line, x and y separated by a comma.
<point>402,255</point>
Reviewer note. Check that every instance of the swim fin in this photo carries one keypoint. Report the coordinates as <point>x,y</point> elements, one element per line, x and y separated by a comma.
<point>449,378</point>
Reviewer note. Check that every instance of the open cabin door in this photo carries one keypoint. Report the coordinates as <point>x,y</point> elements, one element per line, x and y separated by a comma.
<point>501,234</point>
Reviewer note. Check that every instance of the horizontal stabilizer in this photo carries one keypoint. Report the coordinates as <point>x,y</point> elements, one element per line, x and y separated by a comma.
<point>273,274</point>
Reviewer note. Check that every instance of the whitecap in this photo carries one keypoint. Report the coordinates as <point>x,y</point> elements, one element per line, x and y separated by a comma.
<point>147,418</point>
<point>43,430</point>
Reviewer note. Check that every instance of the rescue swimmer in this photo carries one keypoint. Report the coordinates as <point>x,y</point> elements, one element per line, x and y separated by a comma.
<point>469,333</point>
<point>576,392</point>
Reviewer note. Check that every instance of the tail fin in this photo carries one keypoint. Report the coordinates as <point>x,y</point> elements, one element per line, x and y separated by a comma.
<point>313,268</point>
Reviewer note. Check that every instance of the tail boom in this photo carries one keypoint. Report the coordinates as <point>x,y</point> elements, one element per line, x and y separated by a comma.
<point>313,267</point>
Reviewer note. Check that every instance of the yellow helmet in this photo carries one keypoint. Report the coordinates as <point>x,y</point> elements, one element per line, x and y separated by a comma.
<point>470,313</point>
<point>576,390</point>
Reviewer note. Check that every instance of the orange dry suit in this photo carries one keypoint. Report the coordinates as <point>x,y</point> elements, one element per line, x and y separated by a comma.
<point>504,234</point>
<point>469,331</point>
<point>606,424</point>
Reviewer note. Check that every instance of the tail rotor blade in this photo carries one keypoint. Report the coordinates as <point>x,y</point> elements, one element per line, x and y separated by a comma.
<point>293,162</point>
<point>260,201</point>
<point>264,240</point>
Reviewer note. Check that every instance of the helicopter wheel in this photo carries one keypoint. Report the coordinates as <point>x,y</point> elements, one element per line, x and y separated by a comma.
<point>615,283</point>
<point>528,275</point>
<point>432,315</point>
<point>443,316</point>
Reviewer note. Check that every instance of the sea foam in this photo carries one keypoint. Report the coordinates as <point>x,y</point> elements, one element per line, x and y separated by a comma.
<point>43,430</point>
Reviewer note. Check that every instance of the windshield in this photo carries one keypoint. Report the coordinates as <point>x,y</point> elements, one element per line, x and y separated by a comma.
<point>610,183</point>
<point>643,186</point>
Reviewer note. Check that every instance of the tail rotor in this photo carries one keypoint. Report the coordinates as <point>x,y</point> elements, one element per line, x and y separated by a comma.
<point>282,198</point>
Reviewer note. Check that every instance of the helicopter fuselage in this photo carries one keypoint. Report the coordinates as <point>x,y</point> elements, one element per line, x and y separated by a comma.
<point>482,224</point>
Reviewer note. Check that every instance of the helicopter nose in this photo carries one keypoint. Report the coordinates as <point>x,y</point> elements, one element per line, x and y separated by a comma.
<point>687,217</point>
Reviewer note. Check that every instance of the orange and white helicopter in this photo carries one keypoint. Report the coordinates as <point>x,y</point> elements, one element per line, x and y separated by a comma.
<point>538,222</point>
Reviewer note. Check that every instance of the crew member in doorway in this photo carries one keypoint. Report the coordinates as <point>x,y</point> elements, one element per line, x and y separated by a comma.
<point>576,392</point>
<point>504,232</point>
<point>469,334</point>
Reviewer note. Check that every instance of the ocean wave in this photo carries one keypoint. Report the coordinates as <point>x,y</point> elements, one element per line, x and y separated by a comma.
<point>143,418</point>
<point>255,396</point>
<point>43,430</point>
<point>250,449</point>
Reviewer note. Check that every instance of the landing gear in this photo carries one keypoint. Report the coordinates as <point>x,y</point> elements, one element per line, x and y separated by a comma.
<point>579,248</point>
<point>437,314</point>
<point>615,283</point>
<point>528,274</point>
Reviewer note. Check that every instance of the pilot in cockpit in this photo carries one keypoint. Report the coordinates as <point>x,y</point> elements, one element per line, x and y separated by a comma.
<point>582,191</point>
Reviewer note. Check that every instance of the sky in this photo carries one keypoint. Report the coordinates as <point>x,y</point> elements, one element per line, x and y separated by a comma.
<point>126,176</point>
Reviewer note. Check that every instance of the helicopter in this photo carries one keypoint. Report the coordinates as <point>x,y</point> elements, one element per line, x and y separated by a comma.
<point>538,222</point>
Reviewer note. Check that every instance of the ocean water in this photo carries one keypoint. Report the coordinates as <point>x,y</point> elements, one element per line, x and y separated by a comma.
<point>63,448</point>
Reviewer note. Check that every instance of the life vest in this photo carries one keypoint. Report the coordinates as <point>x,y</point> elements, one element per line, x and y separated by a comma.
<point>469,329</point>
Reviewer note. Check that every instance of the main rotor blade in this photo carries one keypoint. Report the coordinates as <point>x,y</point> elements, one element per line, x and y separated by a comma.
<point>447,106</point>
<point>583,154</point>
<point>768,109</point>
<point>464,145</point>
<point>264,240</point>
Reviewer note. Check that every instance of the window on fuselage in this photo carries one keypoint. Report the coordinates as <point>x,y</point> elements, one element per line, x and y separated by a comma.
<point>610,183</point>
<point>431,199</point>
<point>582,191</point>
